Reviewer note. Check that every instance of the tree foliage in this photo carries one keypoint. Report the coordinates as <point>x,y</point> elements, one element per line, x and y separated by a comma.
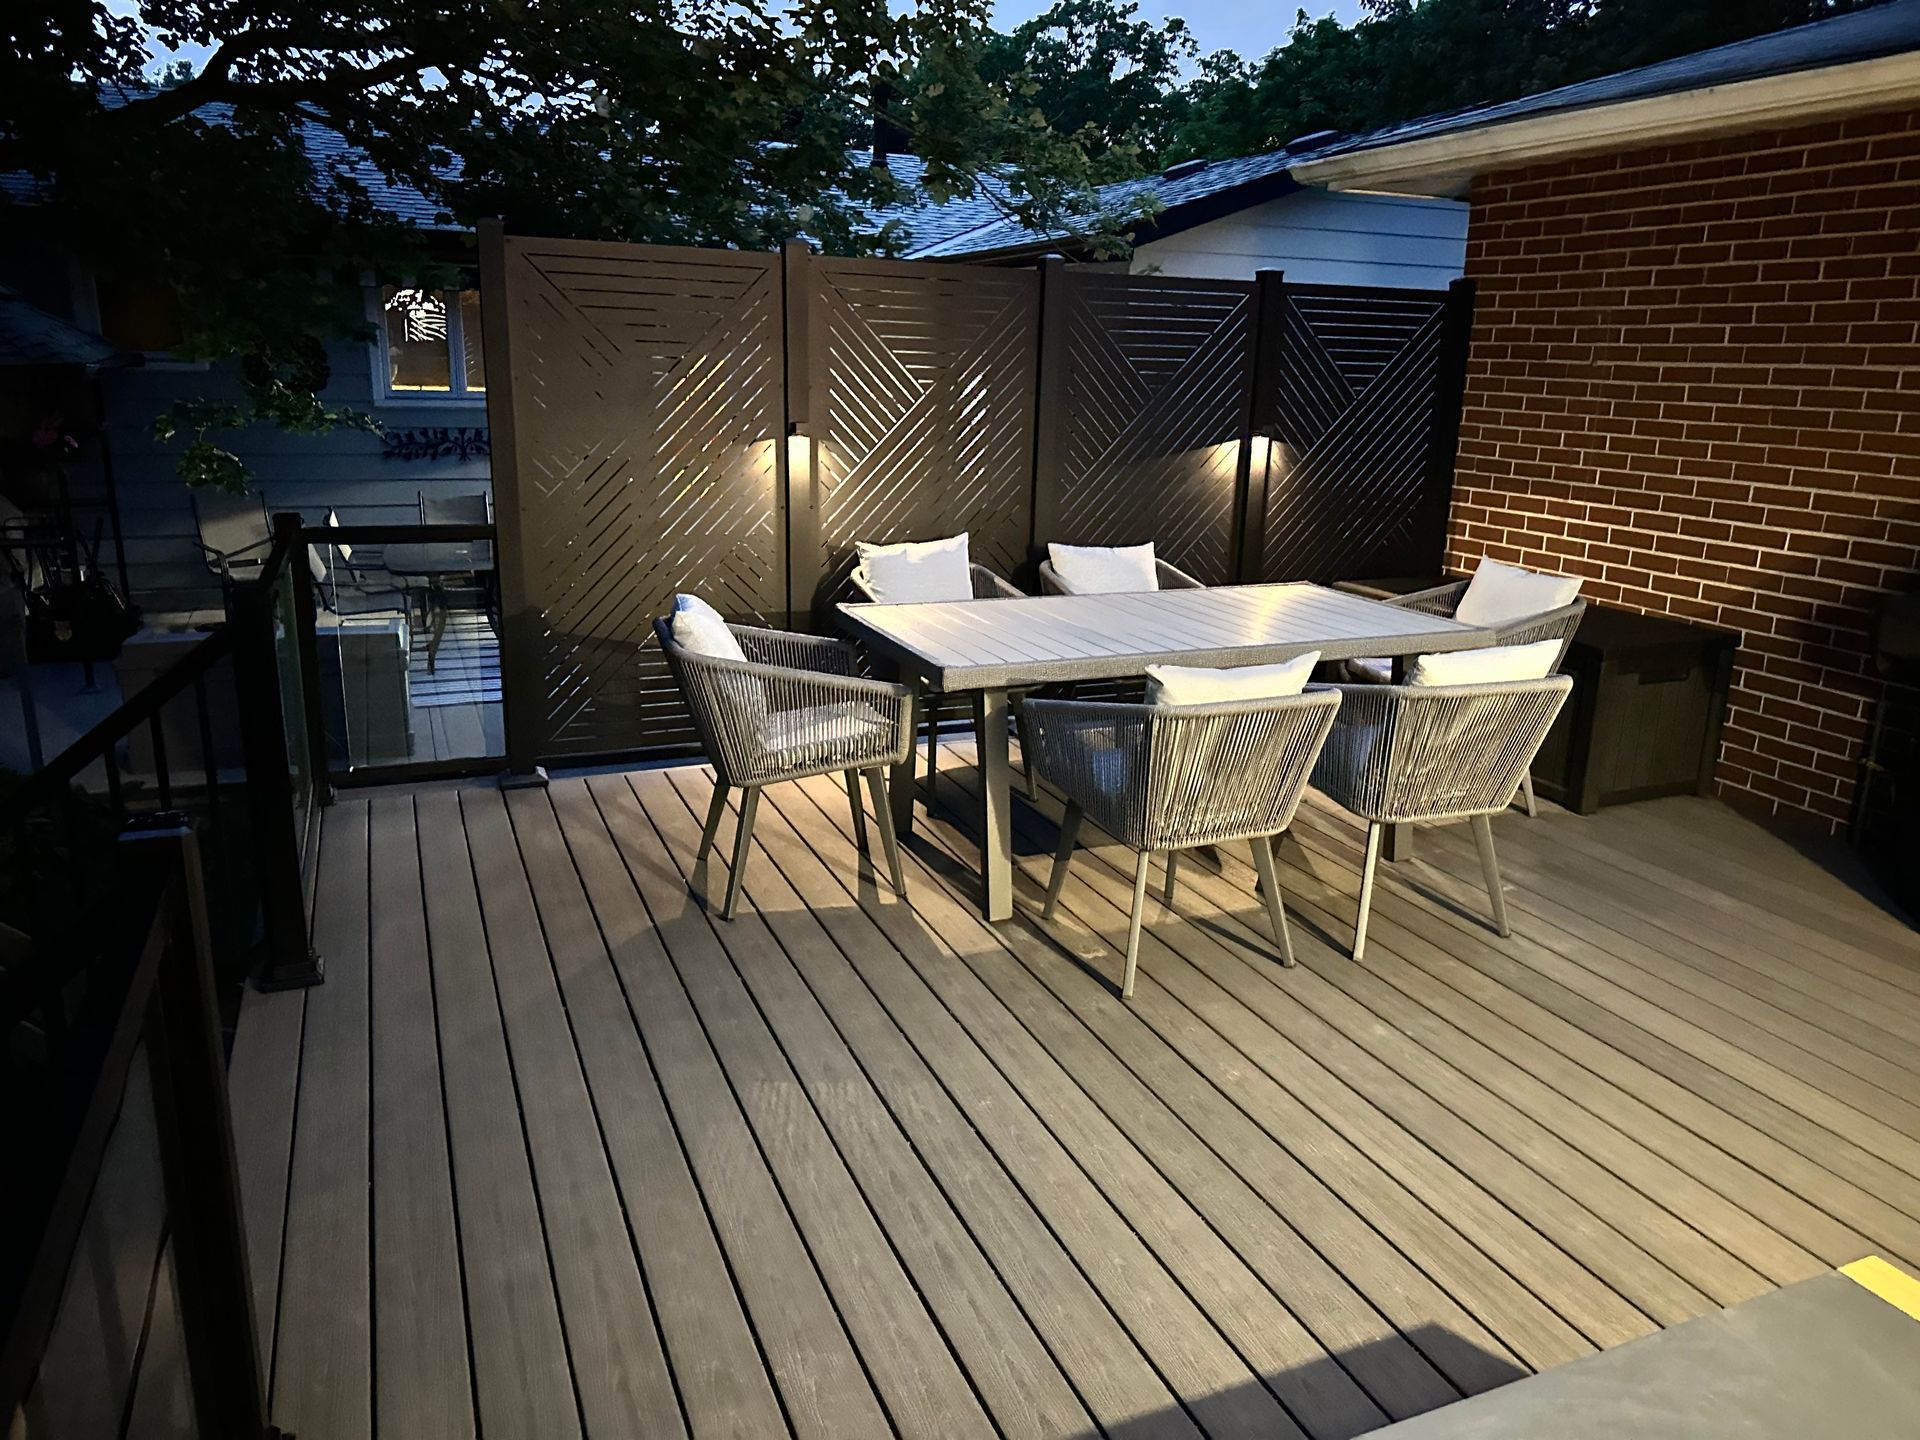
<point>225,185</point>
<point>1406,59</point>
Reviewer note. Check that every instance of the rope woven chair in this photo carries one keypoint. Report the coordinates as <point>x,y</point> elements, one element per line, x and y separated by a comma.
<point>1400,753</point>
<point>1161,779</point>
<point>1171,578</point>
<point>986,586</point>
<point>793,708</point>
<point>1558,624</point>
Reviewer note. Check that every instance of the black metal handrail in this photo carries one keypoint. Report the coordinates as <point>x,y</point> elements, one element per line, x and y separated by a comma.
<point>169,1005</point>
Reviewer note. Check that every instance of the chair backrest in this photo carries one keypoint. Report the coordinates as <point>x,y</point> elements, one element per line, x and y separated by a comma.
<point>1161,777</point>
<point>476,509</point>
<point>1557,624</point>
<point>986,584</point>
<point>1436,752</point>
<point>1170,577</point>
<point>234,529</point>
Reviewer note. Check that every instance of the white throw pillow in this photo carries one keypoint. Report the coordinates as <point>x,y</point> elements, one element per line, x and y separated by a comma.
<point>915,573</point>
<point>1486,667</point>
<point>1180,685</point>
<point>1104,569</point>
<point>1500,593</point>
<point>699,629</point>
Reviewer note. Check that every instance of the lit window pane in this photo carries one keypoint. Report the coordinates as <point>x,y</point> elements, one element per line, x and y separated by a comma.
<point>417,355</point>
<point>470,339</point>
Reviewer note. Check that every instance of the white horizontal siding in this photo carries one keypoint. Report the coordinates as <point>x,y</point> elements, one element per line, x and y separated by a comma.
<point>1318,237</point>
<point>343,470</point>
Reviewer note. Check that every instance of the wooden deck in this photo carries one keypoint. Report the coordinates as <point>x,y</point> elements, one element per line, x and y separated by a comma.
<point>553,1154</point>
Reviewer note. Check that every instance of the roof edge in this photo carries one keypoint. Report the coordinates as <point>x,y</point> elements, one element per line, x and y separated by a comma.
<point>1446,165</point>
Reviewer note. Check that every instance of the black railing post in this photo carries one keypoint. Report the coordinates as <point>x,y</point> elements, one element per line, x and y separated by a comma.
<point>1264,327</point>
<point>1049,404</point>
<point>277,814</point>
<point>1449,400</point>
<point>289,535</point>
<point>199,1166</point>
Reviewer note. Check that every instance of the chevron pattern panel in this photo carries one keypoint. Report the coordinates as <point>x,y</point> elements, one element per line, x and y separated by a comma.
<point>923,406</point>
<point>1351,401</point>
<point>647,400</point>
<point>1151,400</point>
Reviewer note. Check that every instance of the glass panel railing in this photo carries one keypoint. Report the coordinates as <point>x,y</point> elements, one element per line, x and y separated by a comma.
<point>408,644</point>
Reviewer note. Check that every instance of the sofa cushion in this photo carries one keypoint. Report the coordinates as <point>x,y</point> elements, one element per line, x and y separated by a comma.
<point>1185,685</point>
<point>1488,666</point>
<point>699,629</point>
<point>1500,594</point>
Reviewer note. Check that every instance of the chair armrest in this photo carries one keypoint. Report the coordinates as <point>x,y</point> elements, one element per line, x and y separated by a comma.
<point>1440,600</point>
<point>818,653</point>
<point>1172,577</point>
<point>1557,624</point>
<point>989,586</point>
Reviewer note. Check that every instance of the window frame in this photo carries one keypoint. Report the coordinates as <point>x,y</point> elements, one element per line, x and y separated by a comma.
<point>380,362</point>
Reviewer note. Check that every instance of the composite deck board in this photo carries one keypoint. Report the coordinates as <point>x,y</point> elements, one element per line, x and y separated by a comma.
<point>323,1347</point>
<point>848,1165</point>
<point>1325,1399</point>
<point>421,1382</point>
<point>1724,962</point>
<point>523,1384</point>
<point>909,1363</point>
<point>1388,1364</point>
<point>803,1335</point>
<point>1019,1383</point>
<point>619,1370</point>
<point>1841,1180</point>
<point>716,1360</point>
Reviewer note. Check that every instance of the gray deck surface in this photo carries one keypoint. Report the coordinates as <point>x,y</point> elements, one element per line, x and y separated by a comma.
<point>553,1154</point>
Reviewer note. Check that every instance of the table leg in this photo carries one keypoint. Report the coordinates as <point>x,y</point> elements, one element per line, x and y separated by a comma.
<point>996,800</point>
<point>900,778</point>
<point>1398,844</point>
<point>437,629</point>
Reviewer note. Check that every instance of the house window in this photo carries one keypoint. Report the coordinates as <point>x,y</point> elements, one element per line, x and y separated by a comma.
<point>431,340</point>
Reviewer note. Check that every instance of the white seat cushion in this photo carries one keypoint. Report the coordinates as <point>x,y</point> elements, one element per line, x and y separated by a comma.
<point>917,572</point>
<point>1182,685</point>
<point>1486,667</point>
<point>699,629</point>
<point>818,734</point>
<point>1499,594</point>
<point>1370,670</point>
<point>1104,569</point>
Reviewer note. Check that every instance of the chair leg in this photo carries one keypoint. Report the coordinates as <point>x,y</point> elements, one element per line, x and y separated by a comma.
<point>1133,922</point>
<point>1026,752</point>
<point>1375,832</point>
<point>1490,869</point>
<point>883,817</point>
<point>1270,887</point>
<point>742,843</point>
<point>715,810</point>
<point>933,749</point>
<point>1526,790</point>
<point>859,812</point>
<point>1063,855</point>
<point>1173,862</point>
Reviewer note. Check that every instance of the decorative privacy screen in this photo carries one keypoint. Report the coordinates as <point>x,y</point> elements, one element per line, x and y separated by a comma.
<point>1358,468</point>
<point>1145,389</point>
<point>643,398</point>
<point>675,419</point>
<point>921,408</point>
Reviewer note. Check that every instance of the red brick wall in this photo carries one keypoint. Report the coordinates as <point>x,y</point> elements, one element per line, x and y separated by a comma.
<point>1695,382</point>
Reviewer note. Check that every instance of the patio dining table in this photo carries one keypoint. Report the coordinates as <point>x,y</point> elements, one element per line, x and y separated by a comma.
<point>437,562</point>
<point>989,647</point>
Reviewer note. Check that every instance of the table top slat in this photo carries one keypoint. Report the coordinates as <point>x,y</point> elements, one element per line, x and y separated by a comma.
<point>1035,639</point>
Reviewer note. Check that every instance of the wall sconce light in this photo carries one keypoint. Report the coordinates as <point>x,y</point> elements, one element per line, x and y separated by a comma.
<point>799,455</point>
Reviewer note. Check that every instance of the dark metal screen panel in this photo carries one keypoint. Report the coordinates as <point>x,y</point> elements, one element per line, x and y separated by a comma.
<point>922,409</point>
<point>1146,394</point>
<point>1353,398</point>
<point>645,394</point>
